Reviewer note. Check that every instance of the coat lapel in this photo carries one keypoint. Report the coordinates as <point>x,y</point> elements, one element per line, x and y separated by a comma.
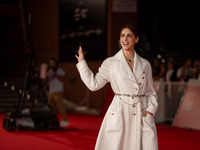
<point>138,67</point>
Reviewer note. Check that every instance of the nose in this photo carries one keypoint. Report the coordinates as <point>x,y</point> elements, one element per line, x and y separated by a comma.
<point>126,38</point>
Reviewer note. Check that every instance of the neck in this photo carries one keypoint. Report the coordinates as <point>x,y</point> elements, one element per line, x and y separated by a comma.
<point>129,54</point>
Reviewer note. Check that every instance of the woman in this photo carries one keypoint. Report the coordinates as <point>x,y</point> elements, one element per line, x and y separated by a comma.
<point>128,123</point>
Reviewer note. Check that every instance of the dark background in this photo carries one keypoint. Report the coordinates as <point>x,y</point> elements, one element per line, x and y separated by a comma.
<point>172,27</point>
<point>82,22</point>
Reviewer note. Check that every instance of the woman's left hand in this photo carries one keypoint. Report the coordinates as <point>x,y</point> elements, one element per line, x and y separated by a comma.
<point>147,112</point>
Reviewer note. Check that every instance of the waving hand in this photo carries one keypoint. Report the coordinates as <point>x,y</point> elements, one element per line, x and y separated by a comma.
<point>80,55</point>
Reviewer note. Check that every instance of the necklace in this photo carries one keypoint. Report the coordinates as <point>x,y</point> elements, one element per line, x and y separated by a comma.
<point>129,60</point>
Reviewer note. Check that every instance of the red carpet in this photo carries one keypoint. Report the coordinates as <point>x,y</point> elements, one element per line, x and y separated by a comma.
<point>82,134</point>
<point>170,138</point>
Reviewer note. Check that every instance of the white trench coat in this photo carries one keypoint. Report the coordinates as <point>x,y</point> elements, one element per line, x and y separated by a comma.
<point>123,127</point>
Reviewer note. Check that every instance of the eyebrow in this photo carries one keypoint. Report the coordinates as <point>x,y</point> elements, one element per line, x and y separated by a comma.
<point>127,34</point>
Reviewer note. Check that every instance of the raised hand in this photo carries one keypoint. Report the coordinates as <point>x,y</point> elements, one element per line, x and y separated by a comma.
<point>80,55</point>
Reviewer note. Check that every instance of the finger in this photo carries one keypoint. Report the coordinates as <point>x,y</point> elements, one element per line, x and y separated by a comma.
<point>76,56</point>
<point>80,50</point>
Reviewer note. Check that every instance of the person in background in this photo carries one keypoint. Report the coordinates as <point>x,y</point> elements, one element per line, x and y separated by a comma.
<point>171,71</point>
<point>196,69</point>
<point>155,68</point>
<point>128,123</point>
<point>56,77</point>
<point>162,72</point>
<point>184,73</point>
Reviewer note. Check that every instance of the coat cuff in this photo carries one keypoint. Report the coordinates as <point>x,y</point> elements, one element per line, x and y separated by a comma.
<point>81,65</point>
<point>152,109</point>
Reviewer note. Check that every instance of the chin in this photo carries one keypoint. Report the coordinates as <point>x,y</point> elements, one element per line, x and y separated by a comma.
<point>126,48</point>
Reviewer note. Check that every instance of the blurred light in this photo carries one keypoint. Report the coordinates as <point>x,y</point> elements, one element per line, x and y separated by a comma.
<point>20,91</point>
<point>163,60</point>
<point>159,56</point>
<point>12,87</point>
<point>5,84</point>
<point>28,96</point>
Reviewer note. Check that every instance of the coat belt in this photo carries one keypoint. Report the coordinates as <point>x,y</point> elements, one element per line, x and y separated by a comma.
<point>132,96</point>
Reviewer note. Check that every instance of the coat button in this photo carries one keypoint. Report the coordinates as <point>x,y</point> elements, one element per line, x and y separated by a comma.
<point>142,77</point>
<point>140,83</point>
<point>133,105</point>
<point>112,113</point>
<point>134,114</point>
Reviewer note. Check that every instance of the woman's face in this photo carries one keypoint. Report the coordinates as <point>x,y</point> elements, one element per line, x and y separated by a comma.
<point>128,40</point>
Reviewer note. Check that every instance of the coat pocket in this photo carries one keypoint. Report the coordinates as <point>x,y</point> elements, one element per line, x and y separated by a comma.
<point>149,134</point>
<point>114,121</point>
<point>148,124</point>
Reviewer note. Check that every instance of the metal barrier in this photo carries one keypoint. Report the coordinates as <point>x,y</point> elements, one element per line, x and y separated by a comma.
<point>169,97</point>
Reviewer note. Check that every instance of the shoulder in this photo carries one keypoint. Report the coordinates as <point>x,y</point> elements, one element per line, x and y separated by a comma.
<point>107,64</point>
<point>108,61</point>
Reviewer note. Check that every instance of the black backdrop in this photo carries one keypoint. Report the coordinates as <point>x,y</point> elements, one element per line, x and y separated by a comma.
<point>172,27</point>
<point>82,22</point>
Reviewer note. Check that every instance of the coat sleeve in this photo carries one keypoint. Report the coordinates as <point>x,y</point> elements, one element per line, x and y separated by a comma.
<point>151,93</point>
<point>96,82</point>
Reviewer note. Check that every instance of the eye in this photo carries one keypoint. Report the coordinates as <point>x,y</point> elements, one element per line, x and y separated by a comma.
<point>129,35</point>
<point>122,35</point>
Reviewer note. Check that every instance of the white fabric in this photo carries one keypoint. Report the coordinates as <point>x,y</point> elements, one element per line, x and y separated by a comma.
<point>123,127</point>
<point>55,85</point>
